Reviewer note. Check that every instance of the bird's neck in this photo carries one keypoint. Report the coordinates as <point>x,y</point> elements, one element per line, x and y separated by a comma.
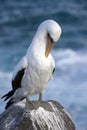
<point>38,45</point>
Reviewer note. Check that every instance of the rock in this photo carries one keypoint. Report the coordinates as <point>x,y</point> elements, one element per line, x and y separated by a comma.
<point>44,115</point>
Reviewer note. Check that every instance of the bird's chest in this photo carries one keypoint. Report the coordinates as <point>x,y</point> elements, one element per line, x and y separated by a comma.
<point>37,74</point>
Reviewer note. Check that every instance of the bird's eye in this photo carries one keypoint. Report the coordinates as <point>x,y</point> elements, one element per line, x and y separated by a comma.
<point>48,35</point>
<point>51,39</point>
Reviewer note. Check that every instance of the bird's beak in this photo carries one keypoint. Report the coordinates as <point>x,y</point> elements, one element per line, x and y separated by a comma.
<point>49,46</point>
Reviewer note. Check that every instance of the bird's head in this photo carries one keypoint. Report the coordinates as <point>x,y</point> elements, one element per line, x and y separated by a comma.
<point>49,31</point>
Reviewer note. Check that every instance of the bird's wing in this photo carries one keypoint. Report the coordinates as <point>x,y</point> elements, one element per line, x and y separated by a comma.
<point>17,77</point>
<point>18,73</point>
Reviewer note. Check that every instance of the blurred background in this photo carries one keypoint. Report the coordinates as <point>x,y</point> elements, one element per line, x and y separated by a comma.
<point>19,20</point>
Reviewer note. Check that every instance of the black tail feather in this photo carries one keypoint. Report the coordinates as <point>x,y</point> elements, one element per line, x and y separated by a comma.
<point>8,95</point>
<point>9,103</point>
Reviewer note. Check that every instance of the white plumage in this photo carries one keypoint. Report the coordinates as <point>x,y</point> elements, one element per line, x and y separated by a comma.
<point>38,63</point>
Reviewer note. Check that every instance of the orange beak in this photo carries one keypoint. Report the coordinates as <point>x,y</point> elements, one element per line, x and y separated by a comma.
<point>49,46</point>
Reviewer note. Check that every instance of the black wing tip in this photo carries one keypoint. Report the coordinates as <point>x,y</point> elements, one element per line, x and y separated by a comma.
<point>8,95</point>
<point>2,97</point>
<point>53,71</point>
<point>5,96</point>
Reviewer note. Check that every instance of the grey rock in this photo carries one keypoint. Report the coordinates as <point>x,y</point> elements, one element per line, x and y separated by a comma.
<point>44,115</point>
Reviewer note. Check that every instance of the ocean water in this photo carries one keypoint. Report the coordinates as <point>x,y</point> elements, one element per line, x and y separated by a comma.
<point>18,23</point>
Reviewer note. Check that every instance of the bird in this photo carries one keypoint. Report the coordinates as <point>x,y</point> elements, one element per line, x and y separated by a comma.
<point>36,68</point>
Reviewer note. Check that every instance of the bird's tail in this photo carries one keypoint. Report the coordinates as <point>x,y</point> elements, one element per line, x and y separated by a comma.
<point>7,96</point>
<point>12,99</point>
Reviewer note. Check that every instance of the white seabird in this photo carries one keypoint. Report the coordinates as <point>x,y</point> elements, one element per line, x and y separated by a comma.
<point>36,68</point>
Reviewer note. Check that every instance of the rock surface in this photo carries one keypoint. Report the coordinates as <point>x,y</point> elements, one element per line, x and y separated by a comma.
<point>44,115</point>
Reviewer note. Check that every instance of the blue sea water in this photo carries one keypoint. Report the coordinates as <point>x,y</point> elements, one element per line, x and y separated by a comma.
<point>18,23</point>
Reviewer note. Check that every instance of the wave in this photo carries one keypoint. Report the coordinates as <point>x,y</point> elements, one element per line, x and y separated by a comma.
<point>71,66</point>
<point>5,75</point>
<point>66,57</point>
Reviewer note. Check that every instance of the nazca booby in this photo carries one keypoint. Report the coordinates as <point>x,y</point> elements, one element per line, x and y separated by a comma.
<point>36,68</point>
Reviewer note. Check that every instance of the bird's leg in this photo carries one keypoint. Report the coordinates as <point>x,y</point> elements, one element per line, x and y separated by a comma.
<point>40,97</point>
<point>30,102</point>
